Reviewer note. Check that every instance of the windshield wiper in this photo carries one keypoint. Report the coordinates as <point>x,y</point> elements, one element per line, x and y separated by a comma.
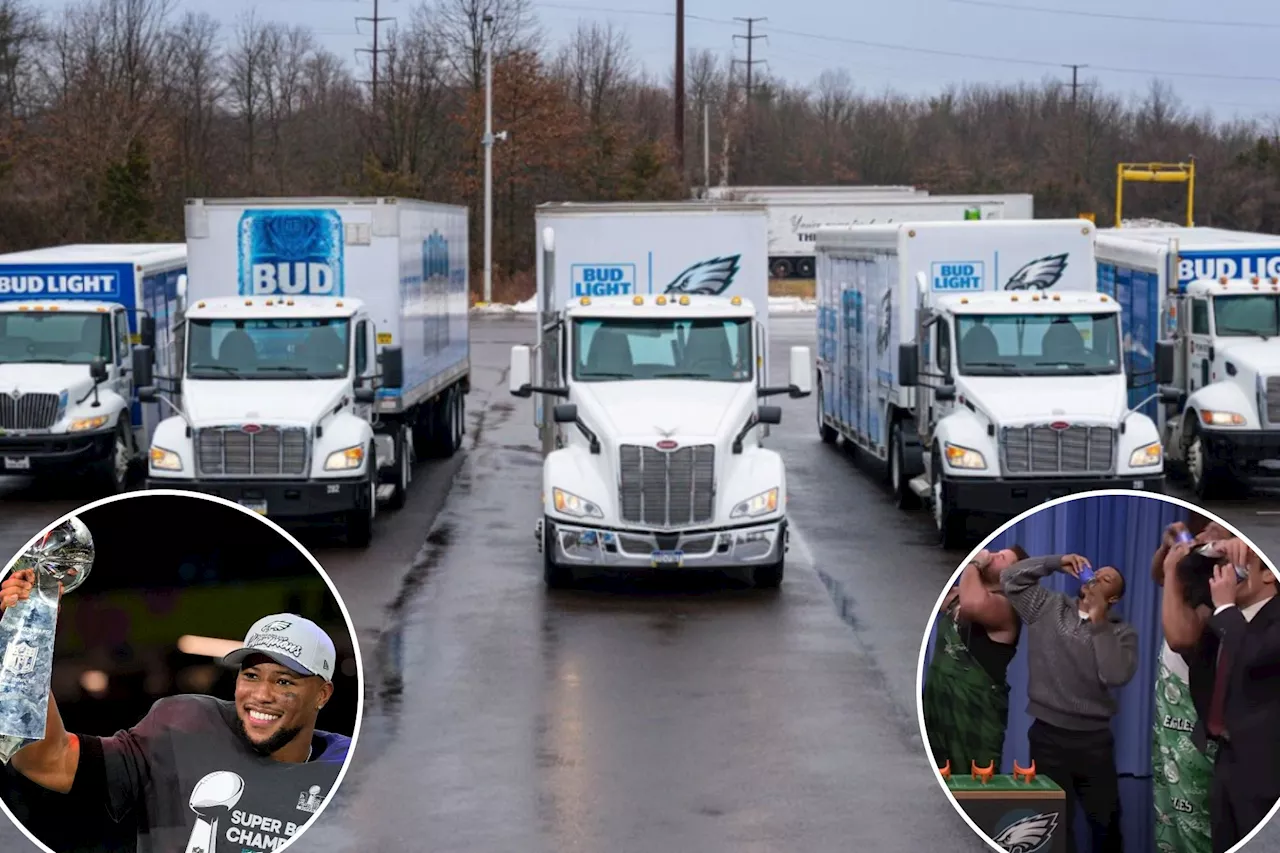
<point>605,376</point>
<point>682,376</point>
<point>300,372</point>
<point>229,371</point>
<point>1000,364</point>
<point>1228,330</point>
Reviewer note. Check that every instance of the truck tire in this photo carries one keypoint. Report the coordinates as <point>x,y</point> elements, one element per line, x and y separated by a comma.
<point>360,520</point>
<point>1209,479</point>
<point>901,471</point>
<point>768,577</point>
<point>554,575</point>
<point>404,468</point>
<point>445,424</point>
<point>113,472</point>
<point>804,268</point>
<point>948,521</point>
<point>825,432</point>
<point>780,268</point>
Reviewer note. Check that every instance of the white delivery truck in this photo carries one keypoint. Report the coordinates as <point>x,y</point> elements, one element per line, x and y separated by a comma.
<point>1213,295</point>
<point>796,214</point>
<point>70,317</point>
<point>652,366</point>
<point>979,361</point>
<point>325,344</point>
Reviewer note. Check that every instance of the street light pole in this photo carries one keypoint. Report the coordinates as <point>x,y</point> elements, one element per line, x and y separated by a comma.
<point>488,158</point>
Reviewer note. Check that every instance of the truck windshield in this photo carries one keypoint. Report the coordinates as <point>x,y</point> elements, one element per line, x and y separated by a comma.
<point>1038,344</point>
<point>714,349</point>
<point>1246,316</point>
<point>61,337</point>
<point>268,349</point>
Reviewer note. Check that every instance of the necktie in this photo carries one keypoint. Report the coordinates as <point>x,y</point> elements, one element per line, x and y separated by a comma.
<point>1216,724</point>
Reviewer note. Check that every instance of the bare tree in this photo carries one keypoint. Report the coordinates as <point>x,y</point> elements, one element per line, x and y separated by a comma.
<point>460,24</point>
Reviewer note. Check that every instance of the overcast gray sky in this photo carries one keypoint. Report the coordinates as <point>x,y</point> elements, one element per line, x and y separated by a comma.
<point>1217,55</point>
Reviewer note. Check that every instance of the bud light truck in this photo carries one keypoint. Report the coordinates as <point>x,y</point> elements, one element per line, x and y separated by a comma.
<point>651,372</point>
<point>70,317</point>
<point>1213,296</point>
<point>980,363</point>
<point>324,346</point>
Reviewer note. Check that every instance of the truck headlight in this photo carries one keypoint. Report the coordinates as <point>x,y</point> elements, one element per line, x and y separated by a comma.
<point>1209,418</point>
<point>761,504</point>
<point>165,460</point>
<point>82,424</point>
<point>963,457</point>
<point>345,460</point>
<point>1146,456</point>
<point>570,504</point>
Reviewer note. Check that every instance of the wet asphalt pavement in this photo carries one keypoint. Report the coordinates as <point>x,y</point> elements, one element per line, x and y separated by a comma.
<point>651,715</point>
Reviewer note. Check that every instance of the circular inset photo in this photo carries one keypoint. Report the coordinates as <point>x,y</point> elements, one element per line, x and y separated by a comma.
<point>176,674</point>
<point>1103,674</point>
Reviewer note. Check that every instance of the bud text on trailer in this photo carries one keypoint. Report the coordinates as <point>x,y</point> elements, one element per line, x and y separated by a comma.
<point>603,279</point>
<point>291,253</point>
<point>100,285</point>
<point>956,276</point>
<point>1231,265</point>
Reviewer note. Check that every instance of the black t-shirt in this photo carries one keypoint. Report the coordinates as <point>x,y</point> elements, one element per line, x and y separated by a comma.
<point>249,803</point>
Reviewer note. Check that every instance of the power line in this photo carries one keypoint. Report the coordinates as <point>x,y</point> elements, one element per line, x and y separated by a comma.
<point>376,21</point>
<point>1113,16</point>
<point>953,54</point>
<point>1075,83</point>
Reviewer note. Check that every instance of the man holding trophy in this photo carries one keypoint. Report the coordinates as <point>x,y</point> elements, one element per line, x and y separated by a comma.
<point>200,774</point>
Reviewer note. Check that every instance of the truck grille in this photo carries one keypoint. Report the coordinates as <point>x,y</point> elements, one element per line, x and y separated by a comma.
<point>1273,400</point>
<point>1044,450</point>
<point>29,411</point>
<point>232,452</point>
<point>667,489</point>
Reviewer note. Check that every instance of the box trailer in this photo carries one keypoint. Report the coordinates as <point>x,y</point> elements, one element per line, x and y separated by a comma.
<point>978,360</point>
<point>325,344</point>
<point>73,319</point>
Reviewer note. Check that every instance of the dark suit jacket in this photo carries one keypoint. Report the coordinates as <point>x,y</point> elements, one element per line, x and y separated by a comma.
<point>1253,691</point>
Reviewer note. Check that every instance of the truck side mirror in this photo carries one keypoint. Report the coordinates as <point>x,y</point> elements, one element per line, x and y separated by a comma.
<point>180,291</point>
<point>908,365</point>
<point>519,379</point>
<point>770,414</point>
<point>1164,362</point>
<point>143,361</point>
<point>801,379</point>
<point>365,395</point>
<point>98,369</point>
<point>147,331</point>
<point>565,413</point>
<point>392,359</point>
<point>944,393</point>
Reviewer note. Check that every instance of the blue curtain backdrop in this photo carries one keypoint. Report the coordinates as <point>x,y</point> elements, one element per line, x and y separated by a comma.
<point>1111,530</point>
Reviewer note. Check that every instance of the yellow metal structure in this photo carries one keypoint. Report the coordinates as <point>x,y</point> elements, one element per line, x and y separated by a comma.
<point>1156,173</point>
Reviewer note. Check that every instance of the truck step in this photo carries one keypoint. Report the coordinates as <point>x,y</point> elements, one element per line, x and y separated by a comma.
<point>385,491</point>
<point>921,486</point>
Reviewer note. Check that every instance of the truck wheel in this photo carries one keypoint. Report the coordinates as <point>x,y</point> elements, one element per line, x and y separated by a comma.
<point>825,432</point>
<point>404,468</point>
<point>804,268</point>
<point>1208,479</point>
<point>360,520</point>
<point>113,471</point>
<point>948,521</point>
<point>781,268</point>
<point>446,425</point>
<point>900,473</point>
<point>554,575</point>
<point>768,577</point>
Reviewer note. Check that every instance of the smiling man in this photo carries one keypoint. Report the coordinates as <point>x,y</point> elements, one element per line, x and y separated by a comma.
<point>202,773</point>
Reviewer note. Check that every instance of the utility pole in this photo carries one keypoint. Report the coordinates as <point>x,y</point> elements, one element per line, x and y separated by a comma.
<point>1075,83</point>
<point>750,39</point>
<point>679,117</point>
<point>487,141</point>
<point>376,20</point>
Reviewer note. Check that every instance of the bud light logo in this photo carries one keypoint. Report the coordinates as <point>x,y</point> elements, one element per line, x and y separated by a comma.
<point>603,279</point>
<point>958,276</point>
<point>435,257</point>
<point>291,253</point>
<point>1233,265</point>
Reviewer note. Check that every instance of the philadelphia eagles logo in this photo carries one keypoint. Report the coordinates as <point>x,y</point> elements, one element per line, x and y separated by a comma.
<point>1040,274</point>
<point>278,625</point>
<point>1029,834</point>
<point>708,278</point>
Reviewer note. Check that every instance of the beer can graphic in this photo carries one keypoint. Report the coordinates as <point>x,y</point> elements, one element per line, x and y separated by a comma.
<point>291,253</point>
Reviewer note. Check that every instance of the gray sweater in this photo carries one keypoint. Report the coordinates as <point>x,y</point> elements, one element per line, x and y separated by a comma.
<point>1072,663</point>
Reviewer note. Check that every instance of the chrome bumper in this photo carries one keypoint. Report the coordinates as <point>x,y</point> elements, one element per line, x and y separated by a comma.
<point>736,547</point>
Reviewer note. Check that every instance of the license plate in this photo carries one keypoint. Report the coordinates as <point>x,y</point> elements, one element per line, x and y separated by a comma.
<point>17,463</point>
<point>666,558</point>
<point>260,507</point>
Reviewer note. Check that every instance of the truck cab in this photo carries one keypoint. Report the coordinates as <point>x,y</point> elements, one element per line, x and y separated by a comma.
<point>1022,397</point>
<point>274,408</point>
<point>66,389</point>
<point>656,458</point>
<point>1223,421</point>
